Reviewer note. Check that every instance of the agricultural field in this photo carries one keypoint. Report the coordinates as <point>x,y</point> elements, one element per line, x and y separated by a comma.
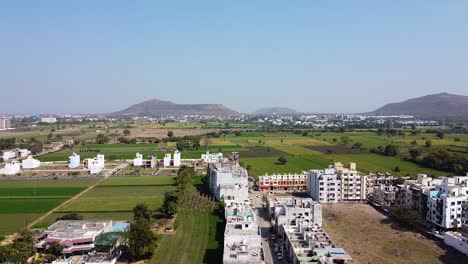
<point>359,228</point>
<point>22,201</point>
<point>198,238</point>
<point>115,197</point>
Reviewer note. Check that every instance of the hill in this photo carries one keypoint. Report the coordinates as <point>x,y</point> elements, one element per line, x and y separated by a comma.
<point>275,110</point>
<point>435,105</point>
<point>156,107</point>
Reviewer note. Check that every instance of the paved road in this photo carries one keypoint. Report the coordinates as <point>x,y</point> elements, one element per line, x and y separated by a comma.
<point>264,223</point>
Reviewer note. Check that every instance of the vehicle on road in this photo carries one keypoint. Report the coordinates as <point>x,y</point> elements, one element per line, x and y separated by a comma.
<point>279,255</point>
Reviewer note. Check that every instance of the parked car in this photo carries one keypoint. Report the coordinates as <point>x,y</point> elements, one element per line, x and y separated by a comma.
<point>279,255</point>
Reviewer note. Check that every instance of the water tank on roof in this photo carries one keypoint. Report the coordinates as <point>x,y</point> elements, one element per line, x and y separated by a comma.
<point>243,248</point>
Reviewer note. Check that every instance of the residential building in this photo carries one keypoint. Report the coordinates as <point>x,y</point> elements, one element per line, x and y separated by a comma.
<point>150,162</point>
<point>76,236</point>
<point>289,182</point>
<point>324,185</point>
<point>458,240</point>
<point>73,161</point>
<point>212,158</point>
<point>167,160</point>
<point>95,165</point>
<point>289,210</point>
<point>446,203</point>
<point>385,179</point>
<point>16,154</point>
<point>30,163</point>
<point>242,240</point>
<point>383,194</point>
<point>49,120</point>
<point>353,184</point>
<point>177,158</point>
<point>138,160</point>
<point>414,193</point>
<point>11,168</point>
<point>228,181</point>
<point>5,123</point>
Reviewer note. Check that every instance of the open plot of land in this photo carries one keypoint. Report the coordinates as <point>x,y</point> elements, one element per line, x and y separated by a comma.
<point>332,149</point>
<point>198,239</point>
<point>22,201</point>
<point>370,238</point>
<point>115,198</point>
<point>260,166</point>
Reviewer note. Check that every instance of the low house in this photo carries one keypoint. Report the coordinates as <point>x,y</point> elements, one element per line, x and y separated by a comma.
<point>30,163</point>
<point>167,160</point>
<point>138,160</point>
<point>95,165</point>
<point>458,240</point>
<point>11,168</point>
<point>73,161</point>
<point>177,158</point>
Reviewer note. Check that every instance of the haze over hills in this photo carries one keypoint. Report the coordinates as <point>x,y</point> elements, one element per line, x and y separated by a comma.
<point>435,105</point>
<point>156,107</point>
<point>275,110</point>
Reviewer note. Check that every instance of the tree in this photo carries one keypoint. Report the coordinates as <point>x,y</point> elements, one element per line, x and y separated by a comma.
<point>305,133</point>
<point>428,144</point>
<point>237,133</point>
<point>123,140</point>
<point>141,240</point>
<point>414,142</point>
<point>102,139</point>
<point>71,216</point>
<point>440,135</point>
<point>36,147</point>
<point>170,204</point>
<point>170,133</point>
<point>345,140</point>
<point>391,150</point>
<point>415,153</point>
<point>207,142</point>
<point>55,248</point>
<point>282,160</point>
<point>407,215</point>
<point>357,145</point>
<point>126,132</point>
<point>397,169</point>
<point>249,168</point>
<point>141,212</point>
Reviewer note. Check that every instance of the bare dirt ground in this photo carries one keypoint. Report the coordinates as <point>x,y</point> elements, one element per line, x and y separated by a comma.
<point>369,237</point>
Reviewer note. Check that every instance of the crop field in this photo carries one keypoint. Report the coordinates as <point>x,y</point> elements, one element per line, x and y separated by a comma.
<point>198,238</point>
<point>22,201</point>
<point>115,198</point>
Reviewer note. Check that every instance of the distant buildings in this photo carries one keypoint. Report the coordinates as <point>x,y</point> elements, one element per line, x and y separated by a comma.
<point>11,168</point>
<point>289,182</point>
<point>30,163</point>
<point>5,123</point>
<point>138,160</point>
<point>458,240</point>
<point>73,161</point>
<point>95,165</point>
<point>167,160</point>
<point>49,120</point>
<point>228,181</point>
<point>212,158</point>
<point>176,158</point>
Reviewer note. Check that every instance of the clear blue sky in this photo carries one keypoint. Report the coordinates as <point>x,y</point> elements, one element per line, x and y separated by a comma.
<point>318,56</point>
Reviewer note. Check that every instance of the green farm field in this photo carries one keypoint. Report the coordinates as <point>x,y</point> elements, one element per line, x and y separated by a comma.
<point>198,238</point>
<point>22,201</point>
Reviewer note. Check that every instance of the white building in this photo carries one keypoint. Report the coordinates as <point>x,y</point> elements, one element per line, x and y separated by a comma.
<point>138,160</point>
<point>242,240</point>
<point>30,163</point>
<point>16,154</point>
<point>458,240</point>
<point>383,194</point>
<point>167,160</point>
<point>95,165</point>
<point>414,193</point>
<point>73,161</point>
<point>5,123</point>
<point>49,120</point>
<point>324,185</point>
<point>177,158</point>
<point>353,184</point>
<point>445,204</point>
<point>228,181</point>
<point>11,168</point>
<point>212,158</point>
<point>289,210</point>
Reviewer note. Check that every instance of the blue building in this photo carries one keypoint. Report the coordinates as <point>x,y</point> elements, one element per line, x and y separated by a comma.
<point>74,161</point>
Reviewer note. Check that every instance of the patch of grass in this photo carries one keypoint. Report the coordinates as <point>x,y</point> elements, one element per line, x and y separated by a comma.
<point>145,180</point>
<point>198,239</point>
<point>28,206</point>
<point>260,166</point>
<point>32,192</point>
<point>118,203</point>
<point>10,223</point>
<point>47,183</point>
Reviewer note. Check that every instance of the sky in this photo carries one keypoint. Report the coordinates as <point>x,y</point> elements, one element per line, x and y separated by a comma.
<point>313,56</point>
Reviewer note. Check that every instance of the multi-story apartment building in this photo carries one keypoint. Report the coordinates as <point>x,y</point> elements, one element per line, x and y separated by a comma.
<point>49,120</point>
<point>337,183</point>
<point>353,184</point>
<point>446,203</point>
<point>289,182</point>
<point>242,240</point>
<point>5,123</point>
<point>228,181</point>
<point>414,193</point>
<point>383,194</point>
<point>385,179</point>
<point>287,210</point>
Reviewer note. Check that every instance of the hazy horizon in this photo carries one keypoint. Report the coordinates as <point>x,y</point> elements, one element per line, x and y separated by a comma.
<point>311,56</point>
